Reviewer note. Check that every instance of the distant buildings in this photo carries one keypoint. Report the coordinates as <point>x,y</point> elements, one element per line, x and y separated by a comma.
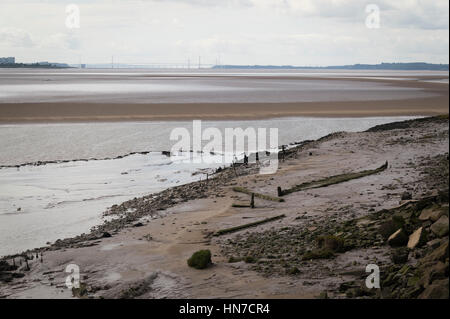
<point>8,60</point>
<point>51,64</point>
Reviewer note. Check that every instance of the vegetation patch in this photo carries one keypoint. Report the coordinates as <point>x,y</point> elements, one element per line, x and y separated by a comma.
<point>200,259</point>
<point>80,292</point>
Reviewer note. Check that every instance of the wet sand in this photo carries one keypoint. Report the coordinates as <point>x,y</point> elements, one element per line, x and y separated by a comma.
<point>435,103</point>
<point>100,112</point>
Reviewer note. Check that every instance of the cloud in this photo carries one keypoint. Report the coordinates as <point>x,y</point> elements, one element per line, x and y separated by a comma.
<point>61,40</point>
<point>414,14</point>
<point>400,13</point>
<point>210,3</point>
<point>13,37</point>
<point>305,32</point>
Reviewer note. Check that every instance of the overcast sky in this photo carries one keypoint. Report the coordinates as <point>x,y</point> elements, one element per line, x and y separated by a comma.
<point>296,32</point>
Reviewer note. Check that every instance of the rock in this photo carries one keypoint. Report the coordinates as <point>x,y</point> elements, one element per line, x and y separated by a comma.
<point>437,290</point>
<point>400,255</point>
<point>138,224</point>
<point>438,271</point>
<point>5,266</point>
<point>398,239</point>
<point>440,253</point>
<point>440,227</point>
<point>391,226</point>
<point>406,196</point>
<point>432,213</point>
<point>416,238</point>
<point>106,235</point>
<point>435,243</point>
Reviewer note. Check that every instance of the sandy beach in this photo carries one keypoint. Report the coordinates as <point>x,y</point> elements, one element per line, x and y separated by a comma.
<point>142,252</point>
<point>417,97</point>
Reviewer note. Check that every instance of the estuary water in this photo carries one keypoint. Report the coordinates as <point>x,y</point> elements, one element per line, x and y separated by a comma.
<point>40,204</point>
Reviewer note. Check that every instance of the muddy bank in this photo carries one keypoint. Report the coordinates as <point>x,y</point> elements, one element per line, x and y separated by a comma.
<point>321,247</point>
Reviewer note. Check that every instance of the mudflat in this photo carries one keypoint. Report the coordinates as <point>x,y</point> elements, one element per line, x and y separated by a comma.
<point>395,96</point>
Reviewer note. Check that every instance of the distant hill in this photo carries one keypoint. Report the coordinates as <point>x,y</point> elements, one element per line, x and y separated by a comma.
<point>382,66</point>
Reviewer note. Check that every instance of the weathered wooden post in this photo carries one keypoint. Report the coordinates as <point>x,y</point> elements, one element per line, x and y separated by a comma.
<point>26,261</point>
<point>279,191</point>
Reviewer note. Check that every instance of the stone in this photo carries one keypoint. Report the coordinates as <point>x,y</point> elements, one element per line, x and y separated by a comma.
<point>416,238</point>
<point>437,290</point>
<point>438,271</point>
<point>435,243</point>
<point>400,255</point>
<point>440,253</point>
<point>432,213</point>
<point>406,196</point>
<point>398,239</point>
<point>440,227</point>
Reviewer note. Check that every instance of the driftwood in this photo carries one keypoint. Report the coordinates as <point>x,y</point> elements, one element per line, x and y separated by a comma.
<point>336,179</point>
<point>238,228</point>
<point>262,196</point>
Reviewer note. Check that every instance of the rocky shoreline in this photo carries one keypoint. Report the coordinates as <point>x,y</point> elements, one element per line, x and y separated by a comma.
<point>397,219</point>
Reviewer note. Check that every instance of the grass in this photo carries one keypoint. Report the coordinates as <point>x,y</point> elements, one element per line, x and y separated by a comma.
<point>336,179</point>
<point>262,196</point>
<point>238,228</point>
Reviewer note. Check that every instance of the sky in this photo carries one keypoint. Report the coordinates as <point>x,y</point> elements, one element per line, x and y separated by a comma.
<point>265,32</point>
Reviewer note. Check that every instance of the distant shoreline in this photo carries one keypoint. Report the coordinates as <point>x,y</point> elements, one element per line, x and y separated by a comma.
<point>414,66</point>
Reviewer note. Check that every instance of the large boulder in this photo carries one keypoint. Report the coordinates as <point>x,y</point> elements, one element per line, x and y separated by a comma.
<point>416,238</point>
<point>440,227</point>
<point>398,239</point>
